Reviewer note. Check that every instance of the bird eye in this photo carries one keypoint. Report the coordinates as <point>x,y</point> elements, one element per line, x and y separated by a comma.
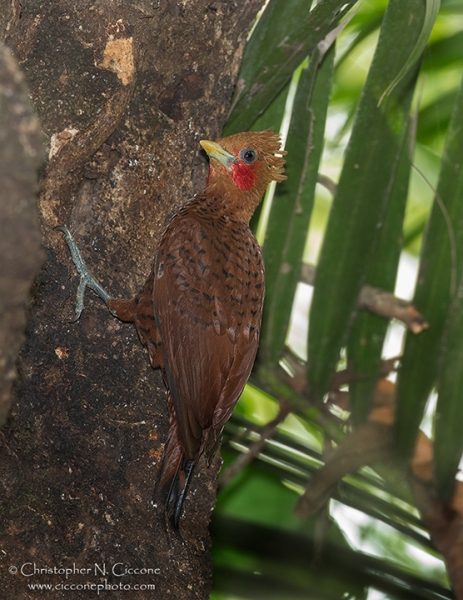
<point>249,155</point>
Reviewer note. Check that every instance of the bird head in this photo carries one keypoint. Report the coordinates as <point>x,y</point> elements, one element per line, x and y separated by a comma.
<point>242,166</point>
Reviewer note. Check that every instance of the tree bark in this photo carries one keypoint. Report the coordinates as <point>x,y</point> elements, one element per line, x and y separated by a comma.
<point>20,252</point>
<point>123,91</point>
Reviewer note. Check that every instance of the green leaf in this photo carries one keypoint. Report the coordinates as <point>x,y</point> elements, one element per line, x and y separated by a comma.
<point>439,272</point>
<point>436,116</point>
<point>446,50</point>
<point>369,331</point>
<point>448,435</point>
<point>448,422</point>
<point>285,35</point>
<point>286,563</point>
<point>432,8</point>
<point>358,210</point>
<point>292,204</point>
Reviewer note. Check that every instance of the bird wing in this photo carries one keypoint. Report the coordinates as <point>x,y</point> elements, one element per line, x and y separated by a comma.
<point>208,295</point>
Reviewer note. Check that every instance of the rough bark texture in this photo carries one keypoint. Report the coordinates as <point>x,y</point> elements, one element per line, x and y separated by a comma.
<point>123,91</point>
<point>20,252</point>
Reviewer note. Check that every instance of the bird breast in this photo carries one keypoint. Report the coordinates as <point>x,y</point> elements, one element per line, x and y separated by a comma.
<point>212,270</point>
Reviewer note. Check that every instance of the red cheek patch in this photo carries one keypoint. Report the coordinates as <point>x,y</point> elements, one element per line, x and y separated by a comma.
<point>244,176</point>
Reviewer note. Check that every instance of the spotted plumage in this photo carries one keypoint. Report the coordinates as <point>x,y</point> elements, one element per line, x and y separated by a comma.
<point>199,312</point>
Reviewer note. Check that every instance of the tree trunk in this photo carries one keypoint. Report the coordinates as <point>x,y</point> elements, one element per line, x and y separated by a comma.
<point>124,91</point>
<point>21,256</point>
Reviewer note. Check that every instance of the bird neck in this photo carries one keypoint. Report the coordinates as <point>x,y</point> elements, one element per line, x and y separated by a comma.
<point>235,203</point>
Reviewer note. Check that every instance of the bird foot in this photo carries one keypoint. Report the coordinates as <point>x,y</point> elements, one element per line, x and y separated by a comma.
<point>86,277</point>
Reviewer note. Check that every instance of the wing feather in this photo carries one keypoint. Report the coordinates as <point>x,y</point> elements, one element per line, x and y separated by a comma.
<point>209,336</point>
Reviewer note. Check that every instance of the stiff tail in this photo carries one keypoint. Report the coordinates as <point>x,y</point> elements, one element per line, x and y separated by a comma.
<point>173,479</point>
<point>178,489</point>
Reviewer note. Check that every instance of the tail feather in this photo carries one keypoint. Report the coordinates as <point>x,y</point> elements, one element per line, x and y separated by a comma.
<point>173,478</point>
<point>122,309</point>
<point>177,495</point>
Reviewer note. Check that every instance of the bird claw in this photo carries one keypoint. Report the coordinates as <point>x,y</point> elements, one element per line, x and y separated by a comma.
<point>86,277</point>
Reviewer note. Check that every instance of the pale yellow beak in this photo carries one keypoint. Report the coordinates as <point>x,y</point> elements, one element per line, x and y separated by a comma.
<point>216,151</point>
